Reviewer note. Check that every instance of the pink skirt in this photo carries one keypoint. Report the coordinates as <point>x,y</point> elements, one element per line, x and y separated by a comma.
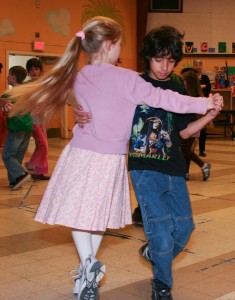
<point>87,191</point>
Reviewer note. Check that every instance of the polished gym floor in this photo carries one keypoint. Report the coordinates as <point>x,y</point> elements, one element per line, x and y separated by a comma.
<point>36,259</point>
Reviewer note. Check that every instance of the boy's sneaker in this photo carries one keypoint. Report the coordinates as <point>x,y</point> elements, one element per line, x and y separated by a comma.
<point>93,272</point>
<point>164,294</point>
<point>144,251</point>
<point>206,171</point>
<point>20,181</point>
<point>77,275</point>
<point>187,176</point>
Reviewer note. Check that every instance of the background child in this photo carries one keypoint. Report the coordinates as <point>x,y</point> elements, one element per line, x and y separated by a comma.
<point>18,136</point>
<point>3,128</point>
<point>38,163</point>
<point>193,87</point>
<point>206,89</point>
<point>3,122</point>
<point>89,189</point>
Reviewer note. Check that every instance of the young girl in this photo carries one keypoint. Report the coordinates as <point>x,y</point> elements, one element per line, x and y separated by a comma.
<point>194,89</point>
<point>89,189</point>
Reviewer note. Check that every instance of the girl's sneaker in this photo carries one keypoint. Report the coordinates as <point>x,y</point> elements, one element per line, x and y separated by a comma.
<point>77,275</point>
<point>93,272</point>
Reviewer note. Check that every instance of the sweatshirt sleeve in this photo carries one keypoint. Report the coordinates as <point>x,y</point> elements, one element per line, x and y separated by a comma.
<point>141,92</point>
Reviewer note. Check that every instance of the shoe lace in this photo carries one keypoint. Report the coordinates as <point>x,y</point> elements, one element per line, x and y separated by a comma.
<point>145,253</point>
<point>76,273</point>
<point>93,283</point>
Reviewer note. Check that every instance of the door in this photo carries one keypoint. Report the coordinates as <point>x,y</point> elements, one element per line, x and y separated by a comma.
<point>59,124</point>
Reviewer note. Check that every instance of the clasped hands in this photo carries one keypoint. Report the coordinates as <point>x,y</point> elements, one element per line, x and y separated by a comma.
<point>215,103</point>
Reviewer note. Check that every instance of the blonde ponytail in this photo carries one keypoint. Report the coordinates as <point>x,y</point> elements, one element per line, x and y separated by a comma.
<point>50,92</point>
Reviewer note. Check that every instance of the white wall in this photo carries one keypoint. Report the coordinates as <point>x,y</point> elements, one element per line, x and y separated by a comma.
<point>209,21</point>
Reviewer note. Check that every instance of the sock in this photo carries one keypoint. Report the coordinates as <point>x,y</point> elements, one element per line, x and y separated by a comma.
<point>96,239</point>
<point>82,241</point>
<point>86,243</point>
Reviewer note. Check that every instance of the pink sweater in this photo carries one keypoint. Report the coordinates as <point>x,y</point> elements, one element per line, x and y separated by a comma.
<point>111,95</point>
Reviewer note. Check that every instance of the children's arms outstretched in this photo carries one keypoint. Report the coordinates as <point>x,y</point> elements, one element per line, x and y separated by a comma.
<point>196,126</point>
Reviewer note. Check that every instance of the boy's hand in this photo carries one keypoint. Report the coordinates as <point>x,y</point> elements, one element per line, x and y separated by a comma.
<point>81,117</point>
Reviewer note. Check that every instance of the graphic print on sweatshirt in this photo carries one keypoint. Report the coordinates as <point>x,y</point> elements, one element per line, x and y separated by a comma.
<point>151,134</point>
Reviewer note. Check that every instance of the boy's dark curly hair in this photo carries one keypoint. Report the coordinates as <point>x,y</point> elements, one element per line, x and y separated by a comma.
<point>160,42</point>
<point>33,62</point>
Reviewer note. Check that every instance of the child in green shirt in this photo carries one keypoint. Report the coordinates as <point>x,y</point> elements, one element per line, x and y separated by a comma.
<point>18,136</point>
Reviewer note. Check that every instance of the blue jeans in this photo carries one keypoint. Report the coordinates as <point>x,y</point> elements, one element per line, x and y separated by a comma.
<point>167,218</point>
<point>15,146</point>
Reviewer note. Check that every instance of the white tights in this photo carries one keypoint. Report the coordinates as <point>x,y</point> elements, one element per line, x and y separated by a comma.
<point>87,242</point>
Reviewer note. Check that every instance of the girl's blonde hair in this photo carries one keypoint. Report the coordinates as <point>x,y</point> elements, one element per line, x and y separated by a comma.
<point>50,92</point>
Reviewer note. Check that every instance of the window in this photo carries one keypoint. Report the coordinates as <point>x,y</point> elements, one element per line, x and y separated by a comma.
<point>166,6</point>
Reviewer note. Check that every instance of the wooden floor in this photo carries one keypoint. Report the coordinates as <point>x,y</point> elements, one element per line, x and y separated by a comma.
<point>36,259</point>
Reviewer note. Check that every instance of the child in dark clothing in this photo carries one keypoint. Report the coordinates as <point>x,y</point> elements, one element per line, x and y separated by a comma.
<point>206,89</point>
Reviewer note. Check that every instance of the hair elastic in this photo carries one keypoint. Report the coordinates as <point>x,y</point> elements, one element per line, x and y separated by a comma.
<point>81,34</point>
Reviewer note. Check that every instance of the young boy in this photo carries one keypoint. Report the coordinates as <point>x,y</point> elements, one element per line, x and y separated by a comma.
<point>18,136</point>
<point>157,166</point>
